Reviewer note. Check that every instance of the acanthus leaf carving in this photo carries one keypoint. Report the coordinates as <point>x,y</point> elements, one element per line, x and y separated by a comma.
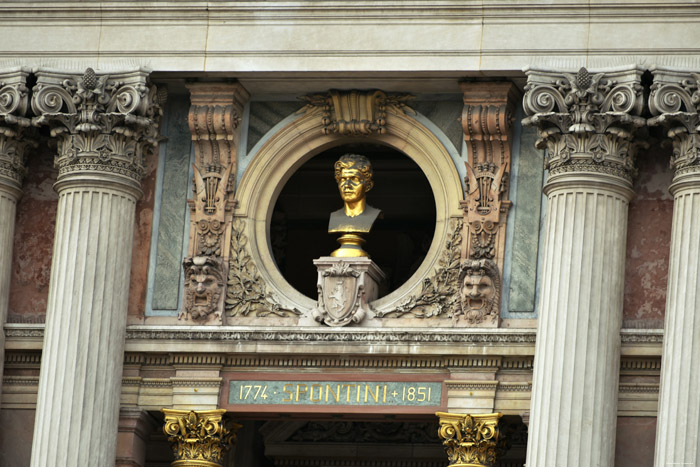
<point>470,440</point>
<point>16,136</point>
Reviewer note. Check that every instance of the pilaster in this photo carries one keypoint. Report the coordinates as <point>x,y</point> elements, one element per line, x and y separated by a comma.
<point>675,103</point>
<point>487,122</point>
<point>586,122</point>
<point>214,120</point>
<point>199,438</point>
<point>14,140</point>
<point>104,125</point>
<point>470,440</point>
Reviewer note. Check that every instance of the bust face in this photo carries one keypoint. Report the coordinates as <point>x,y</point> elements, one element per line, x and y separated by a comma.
<point>352,185</point>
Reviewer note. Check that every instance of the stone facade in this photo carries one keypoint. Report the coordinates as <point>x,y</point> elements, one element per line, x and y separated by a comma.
<point>164,176</point>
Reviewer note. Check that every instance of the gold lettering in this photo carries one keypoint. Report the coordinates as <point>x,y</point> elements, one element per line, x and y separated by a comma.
<point>384,397</point>
<point>347,394</point>
<point>374,396</point>
<point>300,391</point>
<point>290,393</point>
<point>336,393</point>
<point>320,393</point>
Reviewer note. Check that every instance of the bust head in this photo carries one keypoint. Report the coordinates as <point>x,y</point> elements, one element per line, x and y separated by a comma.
<point>353,173</point>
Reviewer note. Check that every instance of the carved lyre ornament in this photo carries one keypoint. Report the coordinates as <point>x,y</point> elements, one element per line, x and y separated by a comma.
<point>104,123</point>
<point>355,112</point>
<point>214,119</point>
<point>487,122</point>
<point>15,131</point>
<point>199,438</point>
<point>586,121</point>
<point>675,103</point>
<point>470,440</point>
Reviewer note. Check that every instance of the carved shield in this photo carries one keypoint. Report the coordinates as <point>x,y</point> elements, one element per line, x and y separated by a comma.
<point>339,297</point>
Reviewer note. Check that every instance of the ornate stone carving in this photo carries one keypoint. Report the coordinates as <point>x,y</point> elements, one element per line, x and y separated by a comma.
<point>355,113</point>
<point>355,432</point>
<point>480,287</point>
<point>214,120</point>
<point>470,440</point>
<point>105,124</point>
<point>204,291</point>
<point>675,103</point>
<point>15,135</point>
<point>199,438</point>
<point>439,293</point>
<point>586,121</point>
<point>345,288</point>
<point>246,293</point>
<point>487,122</point>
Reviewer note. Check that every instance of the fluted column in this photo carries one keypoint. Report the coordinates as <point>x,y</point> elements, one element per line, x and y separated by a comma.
<point>586,123</point>
<point>14,101</point>
<point>104,125</point>
<point>675,102</point>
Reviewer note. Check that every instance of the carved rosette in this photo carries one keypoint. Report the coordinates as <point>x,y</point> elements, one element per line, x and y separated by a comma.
<point>214,118</point>
<point>199,438</point>
<point>586,122</point>
<point>355,113</point>
<point>487,122</point>
<point>470,440</point>
<point>15,132</point>
<point>105,124</point>
<point>675,103</point>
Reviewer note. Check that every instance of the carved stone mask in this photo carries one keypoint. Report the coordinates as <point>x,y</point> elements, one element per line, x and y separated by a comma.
<point>477,292</point>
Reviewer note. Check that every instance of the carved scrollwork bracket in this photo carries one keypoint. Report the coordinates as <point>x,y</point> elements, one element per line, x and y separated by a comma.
<point>16,136</point>
<point>356,113</point>
<point>674,102</point>
<point>199,438</point>
<point>105,124</point>
<point>470,440</point>
<point>487,121</point>
<point>586,121</point>
<point>214,119</point>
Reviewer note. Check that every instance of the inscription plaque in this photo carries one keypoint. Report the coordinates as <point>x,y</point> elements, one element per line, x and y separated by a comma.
<point>362,393</point>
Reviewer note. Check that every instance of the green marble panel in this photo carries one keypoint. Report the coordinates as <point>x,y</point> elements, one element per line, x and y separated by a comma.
<point>445,115</point>
<point>172,211</point>
<point>265,115</point>
<point>356,393</point>
<point>526,228</point>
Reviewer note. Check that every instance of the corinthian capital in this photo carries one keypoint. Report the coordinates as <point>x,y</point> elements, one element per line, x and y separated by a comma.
<point>470,440</point>
<point>14,128</point>
<point>675,103</point>
<point>105,124</point>
<point>586,121</point>
<point>199,438</point>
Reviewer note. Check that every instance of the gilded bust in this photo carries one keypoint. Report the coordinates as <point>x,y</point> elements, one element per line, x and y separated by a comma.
<point>353,173</point>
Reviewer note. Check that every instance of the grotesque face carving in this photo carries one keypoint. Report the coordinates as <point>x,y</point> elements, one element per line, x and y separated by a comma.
<point>479,290</point>
<point>204,284</point>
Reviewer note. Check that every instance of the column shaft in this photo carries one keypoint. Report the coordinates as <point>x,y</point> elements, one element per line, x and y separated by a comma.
<point>86,322</point>
<point>574,394</point>
<point>8,207</point>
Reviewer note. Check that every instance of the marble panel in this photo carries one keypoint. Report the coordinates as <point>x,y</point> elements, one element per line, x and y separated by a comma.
<point>16,433</point>
<point>265,115</point>
<point>635,441</point>
<point>445,115</point>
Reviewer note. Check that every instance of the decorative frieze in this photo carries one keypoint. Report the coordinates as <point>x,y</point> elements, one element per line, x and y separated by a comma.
<point>355,113</point>
<point>104,124</point>
<point>470,440</point>
<point>586,121</point>
<point>199,438</point>
<point>487,122</point>
<point>214,120</point>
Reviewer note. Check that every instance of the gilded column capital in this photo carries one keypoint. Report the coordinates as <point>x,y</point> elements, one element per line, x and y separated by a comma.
<point>487,122</point>
<point>586,121</point>
<point>15,131</point>
<point>470,440</point>
<point>674,102</point>
<point>199,438</point>
<point>105,124</point>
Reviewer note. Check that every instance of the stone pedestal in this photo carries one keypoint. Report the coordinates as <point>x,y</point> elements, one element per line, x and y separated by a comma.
<point>105,125</point>
<point>346,286</point>
<point>675,100</point>
<point>586,122</point>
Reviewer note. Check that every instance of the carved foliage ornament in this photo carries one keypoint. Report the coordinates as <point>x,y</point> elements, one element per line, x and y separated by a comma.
<point>246,293</point>
<point>14,135</point>
<point>103,123</point>
<point>675,103</point>
<point>470,440</point>
<point>199,437</point>
<point>585,121</point>
<point>356,113</point>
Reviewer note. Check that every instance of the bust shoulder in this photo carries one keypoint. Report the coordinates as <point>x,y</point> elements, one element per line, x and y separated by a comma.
<point>340,222</point>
